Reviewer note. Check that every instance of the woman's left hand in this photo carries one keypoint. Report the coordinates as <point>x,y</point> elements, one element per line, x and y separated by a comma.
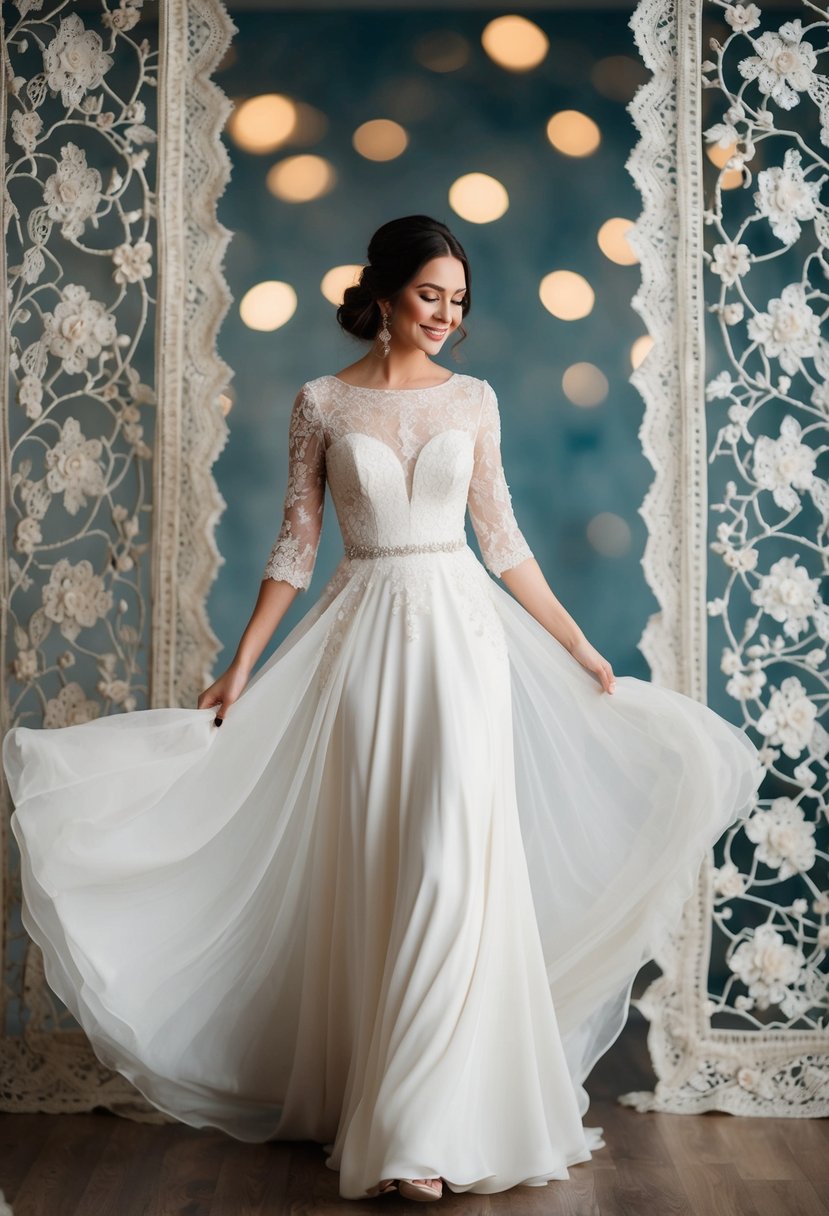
<point>593,662</point>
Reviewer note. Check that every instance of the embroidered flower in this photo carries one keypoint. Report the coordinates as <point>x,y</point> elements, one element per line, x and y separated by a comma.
<point>26,126</point>
<point>70,707</point>
<point>790,718</point>
<point>784,839</point>
<point>767,965</point>
<point>132,262</point>
<point>784,465</point>
<point>73,191</point>
<point>75,61</point>
<point>784,196</point>
<point>30,395</point>
<point>788,595</point>
<point>784,66</point>
<point>742,17</point>
<point>73,467</point>
<point>79,328</point>
<point>75,597</point>
<point>789,330</point>
<point>730,262</point>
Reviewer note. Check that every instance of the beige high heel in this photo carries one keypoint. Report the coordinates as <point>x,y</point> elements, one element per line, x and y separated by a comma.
<point>420,1190</point>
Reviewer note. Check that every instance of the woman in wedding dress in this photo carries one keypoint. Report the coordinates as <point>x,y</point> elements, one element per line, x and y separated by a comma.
<point>397,903</point>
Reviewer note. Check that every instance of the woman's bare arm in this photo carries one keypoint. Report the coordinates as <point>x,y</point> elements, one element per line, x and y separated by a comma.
<point>527,583</point>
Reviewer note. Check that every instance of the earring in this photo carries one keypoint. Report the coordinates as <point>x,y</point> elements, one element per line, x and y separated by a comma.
<point>385,335</point>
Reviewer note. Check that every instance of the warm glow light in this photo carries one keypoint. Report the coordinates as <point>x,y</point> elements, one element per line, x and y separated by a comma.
<point>478,198</point>
<point>609,534</point>
<point>335,281</point>
<point>641,347</point>
<point>268,305</point>
<point>566,295</point>
<point>380,139</point>
<point>584,384</point>
<point>573,133</point>
<point>515,43</point>
<point>731,178</point>
<point>442,51</point>
<point>226,402</point>
<point>613,242</point>
<point>311,125</point>
<point>262,124</point>
<point>298,179</point>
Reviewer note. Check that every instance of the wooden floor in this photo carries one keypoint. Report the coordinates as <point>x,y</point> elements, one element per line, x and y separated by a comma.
<point>653,1165</point>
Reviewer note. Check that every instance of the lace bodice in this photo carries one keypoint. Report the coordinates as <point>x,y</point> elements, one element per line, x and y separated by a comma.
<point>402,465</point>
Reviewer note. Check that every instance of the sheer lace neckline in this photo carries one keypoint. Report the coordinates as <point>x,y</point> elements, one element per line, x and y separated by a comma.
<point>362,388</point>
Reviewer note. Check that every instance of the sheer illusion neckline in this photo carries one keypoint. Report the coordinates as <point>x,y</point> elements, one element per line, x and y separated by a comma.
<point>362,388</point>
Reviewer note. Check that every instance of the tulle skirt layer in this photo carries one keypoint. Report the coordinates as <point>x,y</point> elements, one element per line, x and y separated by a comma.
<point>397,902</point>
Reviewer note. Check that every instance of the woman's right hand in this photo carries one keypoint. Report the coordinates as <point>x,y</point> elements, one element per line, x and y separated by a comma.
<point>224,691</point>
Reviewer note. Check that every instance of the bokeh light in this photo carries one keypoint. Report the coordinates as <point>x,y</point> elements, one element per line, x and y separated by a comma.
<point>731,178</point>
<point>335,281</point>
<point>442,51</point>
<point>515,43</point>
<point>268,305</point>
<point>613,242</point>
<point>584,384</point>
<point>263,123</point>
<point>478,198</point>
<point>299,179</point>
<point>573,133</point>
<point>609,534</point>
<point>566,295</point>
<point>640,349</point>
<point>380,139</point>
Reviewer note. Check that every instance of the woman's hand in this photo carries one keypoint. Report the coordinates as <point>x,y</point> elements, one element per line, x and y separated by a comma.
<point>224,691</point>
<point>593,662</point>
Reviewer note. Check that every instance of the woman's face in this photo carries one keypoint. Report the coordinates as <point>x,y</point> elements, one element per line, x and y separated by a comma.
<point>429,307</point>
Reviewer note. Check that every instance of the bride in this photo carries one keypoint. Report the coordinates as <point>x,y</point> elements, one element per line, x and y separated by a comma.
<point>396,905</point>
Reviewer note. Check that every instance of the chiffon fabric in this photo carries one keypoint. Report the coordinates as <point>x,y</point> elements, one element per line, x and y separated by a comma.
<point>397,902</point>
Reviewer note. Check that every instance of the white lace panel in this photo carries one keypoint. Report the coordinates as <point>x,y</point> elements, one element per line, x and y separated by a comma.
<point>294,551</point>
<point>490,505</point>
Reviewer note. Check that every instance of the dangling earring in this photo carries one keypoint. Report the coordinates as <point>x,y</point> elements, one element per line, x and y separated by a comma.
<point>385,335</point>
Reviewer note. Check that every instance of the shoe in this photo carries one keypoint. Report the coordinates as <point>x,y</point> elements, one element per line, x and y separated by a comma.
<point>385,1186</point>
<point>420,1190</point>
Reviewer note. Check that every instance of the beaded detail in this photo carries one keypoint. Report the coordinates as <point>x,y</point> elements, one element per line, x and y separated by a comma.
<point>439,546</point>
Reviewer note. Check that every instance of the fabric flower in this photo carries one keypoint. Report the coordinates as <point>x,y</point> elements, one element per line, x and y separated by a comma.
<point>70,707</point>
<point>74,61</point>
<point>784,66</point>
<point>79,328</point>
<point>789,719</point>
<point>789,330</point>
<point>784,465</point>
<point>767,965</point>
<point>132,262</point>
<point>73,467</point>
<point>784,196</point>
<point>73,191</point>
<point>730,262</point>
<point>785,840</point>
<point>75,597</point>
<point>788,594</point>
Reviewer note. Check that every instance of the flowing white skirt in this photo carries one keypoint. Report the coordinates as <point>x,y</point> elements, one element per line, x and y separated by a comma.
<point>396,903</point>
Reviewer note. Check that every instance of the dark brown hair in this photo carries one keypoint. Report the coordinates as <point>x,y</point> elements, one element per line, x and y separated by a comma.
<point>396,252</point>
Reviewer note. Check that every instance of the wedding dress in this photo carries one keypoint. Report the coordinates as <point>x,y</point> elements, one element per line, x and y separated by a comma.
<point>397,902</point>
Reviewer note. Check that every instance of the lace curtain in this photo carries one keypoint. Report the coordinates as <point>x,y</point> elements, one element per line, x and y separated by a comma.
<point>112,295</point>
<point>747,254</point>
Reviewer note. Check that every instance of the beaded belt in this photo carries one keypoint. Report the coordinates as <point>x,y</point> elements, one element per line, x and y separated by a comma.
<point>439,546</point>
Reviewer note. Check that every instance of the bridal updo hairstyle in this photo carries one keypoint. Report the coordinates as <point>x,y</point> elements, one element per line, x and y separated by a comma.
<point>396,253</point>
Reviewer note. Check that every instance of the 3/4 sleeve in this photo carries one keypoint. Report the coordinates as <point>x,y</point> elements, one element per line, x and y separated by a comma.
<point>294,551</point>
<point>490,506</point>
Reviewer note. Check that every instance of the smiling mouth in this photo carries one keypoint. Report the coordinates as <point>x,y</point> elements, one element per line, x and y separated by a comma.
<point>434,333</point>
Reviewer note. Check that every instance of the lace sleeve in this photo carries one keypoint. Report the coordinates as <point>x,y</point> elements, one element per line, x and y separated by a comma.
<point>294,552</point>
<point>490,506</point>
